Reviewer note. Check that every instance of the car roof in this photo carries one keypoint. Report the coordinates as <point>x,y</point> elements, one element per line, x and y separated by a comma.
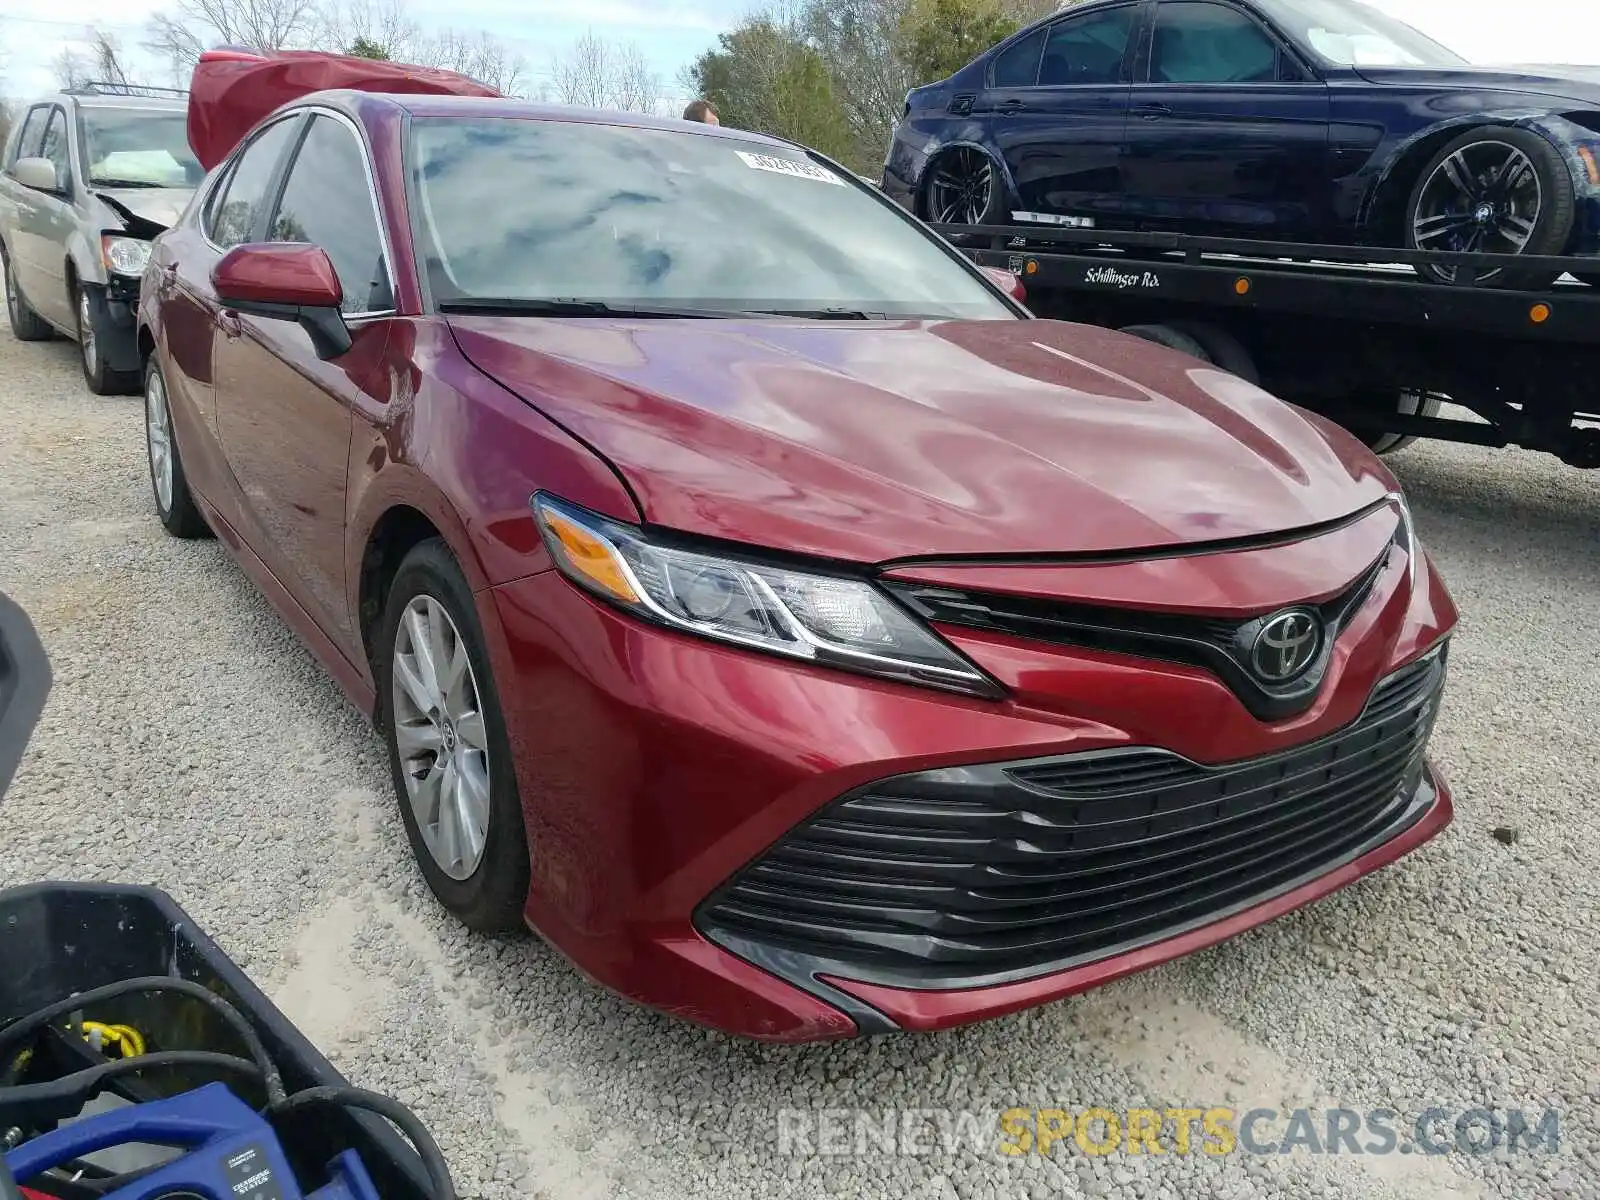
<point>87,99</point>
<point>431,105</point>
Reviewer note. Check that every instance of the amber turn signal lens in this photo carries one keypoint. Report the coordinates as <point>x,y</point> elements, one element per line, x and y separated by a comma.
<point>1539,314</point>
<point>1241,285</point>
<point>590,557</point>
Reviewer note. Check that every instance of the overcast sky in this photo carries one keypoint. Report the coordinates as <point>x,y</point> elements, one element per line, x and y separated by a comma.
<point>672,32</point>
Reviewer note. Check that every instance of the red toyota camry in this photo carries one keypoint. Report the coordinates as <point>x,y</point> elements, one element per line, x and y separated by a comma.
<point>756,600</point>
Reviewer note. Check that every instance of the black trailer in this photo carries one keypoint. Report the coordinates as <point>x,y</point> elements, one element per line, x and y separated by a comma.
<point>1352,332</point>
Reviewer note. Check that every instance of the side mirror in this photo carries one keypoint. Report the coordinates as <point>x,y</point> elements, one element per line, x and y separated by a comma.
<point>286,282</point>
<point>38,174</point>
<point>1006,282</point>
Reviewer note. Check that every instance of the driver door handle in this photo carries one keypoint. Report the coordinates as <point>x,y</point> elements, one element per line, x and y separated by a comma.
<point>1010,107</point>
<point>1153,112</point>
<point>232,328</point>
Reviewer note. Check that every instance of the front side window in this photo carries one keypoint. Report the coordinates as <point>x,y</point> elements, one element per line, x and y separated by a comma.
<point>507,208</point>
<point>244,196</point>
<point>33,131</point>
<point>326,201</point>
<point>1196,42</point>
<point>1088,50</point>
<point>138,147</point>
<point>1018,65</point>
<point>54,145</point>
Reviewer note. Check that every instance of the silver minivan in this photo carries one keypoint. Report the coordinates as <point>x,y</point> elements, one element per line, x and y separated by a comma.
<point>88,179</point>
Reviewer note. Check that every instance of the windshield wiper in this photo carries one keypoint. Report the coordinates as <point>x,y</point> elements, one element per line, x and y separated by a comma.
<point>125,183</point>
<point>568,307</point>
<point>825,314</point>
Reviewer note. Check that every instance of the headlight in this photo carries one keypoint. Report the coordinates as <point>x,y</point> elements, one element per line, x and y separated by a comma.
<point>125,255</point>
<point>831,620</point>
<point>1408,531</point>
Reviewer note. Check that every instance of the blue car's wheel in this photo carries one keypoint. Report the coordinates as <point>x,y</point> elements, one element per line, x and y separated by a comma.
<point>963,188</point>
<point>1494,190</point>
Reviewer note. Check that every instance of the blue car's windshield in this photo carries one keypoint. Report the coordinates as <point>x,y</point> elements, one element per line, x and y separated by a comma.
<point>1346,33</point>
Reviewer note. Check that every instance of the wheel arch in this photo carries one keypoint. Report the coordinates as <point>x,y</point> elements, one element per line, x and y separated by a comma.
<point>392,524</point>
<point>1383,216</point>
<point>998,162</point>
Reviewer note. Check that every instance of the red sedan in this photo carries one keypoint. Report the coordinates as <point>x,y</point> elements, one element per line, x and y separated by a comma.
<point>756,600</point>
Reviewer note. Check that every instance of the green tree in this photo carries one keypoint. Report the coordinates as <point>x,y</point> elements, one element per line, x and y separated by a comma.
<point>939,37</point>
<point>365,47</point>
<point>764,77</point>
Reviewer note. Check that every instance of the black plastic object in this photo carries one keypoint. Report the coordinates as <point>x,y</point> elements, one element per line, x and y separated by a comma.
<point>24,683</point>
<point>58,939</point>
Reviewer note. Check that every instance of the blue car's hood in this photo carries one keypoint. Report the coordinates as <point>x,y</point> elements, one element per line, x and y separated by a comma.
<point>1581,84</point>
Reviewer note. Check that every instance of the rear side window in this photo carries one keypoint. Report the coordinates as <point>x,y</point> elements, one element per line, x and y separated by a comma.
<point>1198,42</point>
<point>1088,50</point>
<point>244,198</point>
<point>328,203</point>
<point>1018,65</point>
<point>32,132</point>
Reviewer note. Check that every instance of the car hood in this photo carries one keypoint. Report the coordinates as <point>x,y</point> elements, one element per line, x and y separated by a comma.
<point>152,206</point>
<point>872,441</point>
<point>1559,82</point>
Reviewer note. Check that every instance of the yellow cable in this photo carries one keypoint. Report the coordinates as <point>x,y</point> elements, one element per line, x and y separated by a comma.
<point>126,1038</point>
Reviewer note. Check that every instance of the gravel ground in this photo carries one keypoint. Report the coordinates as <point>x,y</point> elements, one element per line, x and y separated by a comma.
<point>192,743</point>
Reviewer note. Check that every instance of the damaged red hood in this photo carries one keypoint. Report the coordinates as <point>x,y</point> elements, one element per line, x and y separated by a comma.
<point>233,89</point>
<point>871,441</point>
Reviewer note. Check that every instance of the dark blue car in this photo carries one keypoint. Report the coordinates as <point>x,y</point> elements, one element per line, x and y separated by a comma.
<point>1318,121</point>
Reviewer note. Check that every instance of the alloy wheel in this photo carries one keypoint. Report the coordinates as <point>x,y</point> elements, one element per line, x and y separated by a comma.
<point>86,338</point>
<point>440,733</point>
<point>958,193</point>
<point>1483,199</point>
<point>158,436</point>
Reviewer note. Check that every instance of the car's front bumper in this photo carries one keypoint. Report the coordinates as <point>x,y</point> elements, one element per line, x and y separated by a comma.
<point>658,770</point>
<point>114,306</point>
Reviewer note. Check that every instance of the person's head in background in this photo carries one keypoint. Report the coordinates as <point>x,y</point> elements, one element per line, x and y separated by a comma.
<point>701,110</point>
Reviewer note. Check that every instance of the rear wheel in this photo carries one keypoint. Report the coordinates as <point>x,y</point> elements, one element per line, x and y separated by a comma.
<point>1169,336</point>
<point>27,325</point>
<point>1409,403</point>
<point>1495,190</point>
<point>963,189</point>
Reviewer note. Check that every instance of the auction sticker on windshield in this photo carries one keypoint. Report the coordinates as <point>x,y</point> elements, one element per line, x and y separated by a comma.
<point>787,166</point>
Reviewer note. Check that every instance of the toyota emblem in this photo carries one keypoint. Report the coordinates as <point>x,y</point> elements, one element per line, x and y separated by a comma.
<point>1286,645</point>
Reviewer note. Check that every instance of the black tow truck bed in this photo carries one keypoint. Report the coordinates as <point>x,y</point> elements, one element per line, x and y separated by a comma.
<point>1352,332</point>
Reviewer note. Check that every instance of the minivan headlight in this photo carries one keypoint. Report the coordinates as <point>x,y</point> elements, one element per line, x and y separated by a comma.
<point>125,255</point>
<point>831,620</point>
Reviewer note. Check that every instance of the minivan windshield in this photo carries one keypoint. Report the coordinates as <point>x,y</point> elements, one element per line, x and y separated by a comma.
<point>1347,33</point>
<point>138,147</point>
<point>511,208</point>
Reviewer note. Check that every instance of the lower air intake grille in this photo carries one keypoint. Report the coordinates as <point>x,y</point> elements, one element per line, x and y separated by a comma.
<point>975,875</point>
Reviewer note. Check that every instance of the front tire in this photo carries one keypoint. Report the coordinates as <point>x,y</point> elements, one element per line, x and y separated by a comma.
<point>175,505</point>
<point>97,373</point>
<point>26,325</point>
<point>1494,190</point>
<point>449,753</point>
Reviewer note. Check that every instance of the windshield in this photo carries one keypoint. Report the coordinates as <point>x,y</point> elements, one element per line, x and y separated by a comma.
<point>139,147</point>
<point>1346,33</point>
<point>512,208</point>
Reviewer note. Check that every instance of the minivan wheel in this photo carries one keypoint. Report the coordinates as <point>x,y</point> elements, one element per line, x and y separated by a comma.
<point>448,750</point>
<point>26,325</point>
<point>97,373</point>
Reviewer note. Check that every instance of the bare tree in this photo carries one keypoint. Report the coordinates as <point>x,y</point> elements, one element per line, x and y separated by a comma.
<point>97,58</point>
<point>860,41</point>
<point>596,73</point>
<point>480,56</point>
<point>182,34</point>
<point>384,24</point>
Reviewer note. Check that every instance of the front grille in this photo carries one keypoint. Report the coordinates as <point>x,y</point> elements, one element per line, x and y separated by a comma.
<point>975,875</point>
<point>1216,644</point>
